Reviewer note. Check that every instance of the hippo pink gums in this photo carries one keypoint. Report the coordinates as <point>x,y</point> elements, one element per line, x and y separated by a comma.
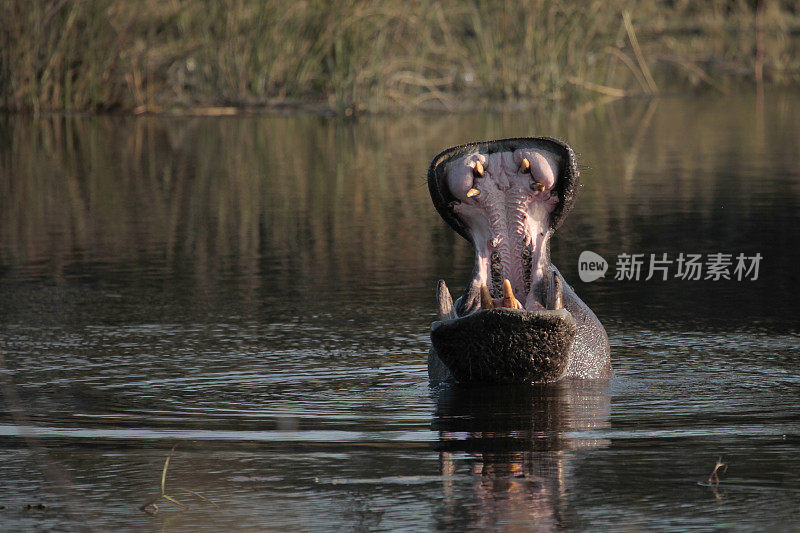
<point>518,320</point>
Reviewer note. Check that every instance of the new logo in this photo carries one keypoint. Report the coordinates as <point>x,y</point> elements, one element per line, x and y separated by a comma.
<point>591,266</point>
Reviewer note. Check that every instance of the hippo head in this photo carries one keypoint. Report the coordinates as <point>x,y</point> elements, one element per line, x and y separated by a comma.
<point>506,197</point>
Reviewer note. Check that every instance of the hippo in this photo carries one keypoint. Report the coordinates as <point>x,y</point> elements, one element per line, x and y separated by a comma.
<point>518,321</point>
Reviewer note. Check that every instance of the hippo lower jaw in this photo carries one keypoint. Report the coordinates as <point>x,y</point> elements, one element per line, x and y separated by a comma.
<point>517,321</point>
<point>505,345</point>
<point>502,343</point>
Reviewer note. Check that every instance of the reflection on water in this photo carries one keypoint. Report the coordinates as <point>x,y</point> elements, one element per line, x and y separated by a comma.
<point>515,440</point>
<point>259,291</point>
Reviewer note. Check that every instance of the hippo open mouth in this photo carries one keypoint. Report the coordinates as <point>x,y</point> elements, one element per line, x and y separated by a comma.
<point>518,320</point>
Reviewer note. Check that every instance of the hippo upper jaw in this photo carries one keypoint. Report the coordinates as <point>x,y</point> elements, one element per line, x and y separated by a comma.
<point>506,197</point>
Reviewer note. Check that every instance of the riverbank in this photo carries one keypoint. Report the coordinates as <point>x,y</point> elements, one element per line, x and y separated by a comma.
<point>348,57</point>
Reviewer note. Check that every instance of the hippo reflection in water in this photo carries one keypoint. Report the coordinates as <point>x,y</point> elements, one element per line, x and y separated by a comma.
<point>518,320</point>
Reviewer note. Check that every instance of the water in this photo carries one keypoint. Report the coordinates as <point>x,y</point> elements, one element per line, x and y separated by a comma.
<point>258,291</point>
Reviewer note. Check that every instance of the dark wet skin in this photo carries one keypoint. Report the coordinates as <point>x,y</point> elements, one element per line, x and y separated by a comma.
<point>518,321</point>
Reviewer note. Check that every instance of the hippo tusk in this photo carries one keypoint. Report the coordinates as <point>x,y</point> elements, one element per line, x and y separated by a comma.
<point>444,299</point>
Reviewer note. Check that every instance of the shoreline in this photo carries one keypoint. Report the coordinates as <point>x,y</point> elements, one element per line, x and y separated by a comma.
<point>292,108</point>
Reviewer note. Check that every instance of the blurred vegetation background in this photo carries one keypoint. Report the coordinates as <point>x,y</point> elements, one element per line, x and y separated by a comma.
<point>393,55</point>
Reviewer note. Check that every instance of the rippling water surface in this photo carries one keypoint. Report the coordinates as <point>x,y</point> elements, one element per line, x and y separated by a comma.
<point>258,291</point>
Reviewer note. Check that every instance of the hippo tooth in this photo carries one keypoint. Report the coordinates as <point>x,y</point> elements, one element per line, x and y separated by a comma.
<point>486,298</point>
<point>526,166</point>
<point>555,293</point>
<point>447,310</point>
<point>559,303</point>
<point>478,169</point>
<point>536,186</point>
<point>473,192</point>
<point>508,296</point>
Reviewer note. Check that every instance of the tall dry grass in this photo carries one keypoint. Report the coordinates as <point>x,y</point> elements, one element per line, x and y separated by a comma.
<point>345,55</point>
